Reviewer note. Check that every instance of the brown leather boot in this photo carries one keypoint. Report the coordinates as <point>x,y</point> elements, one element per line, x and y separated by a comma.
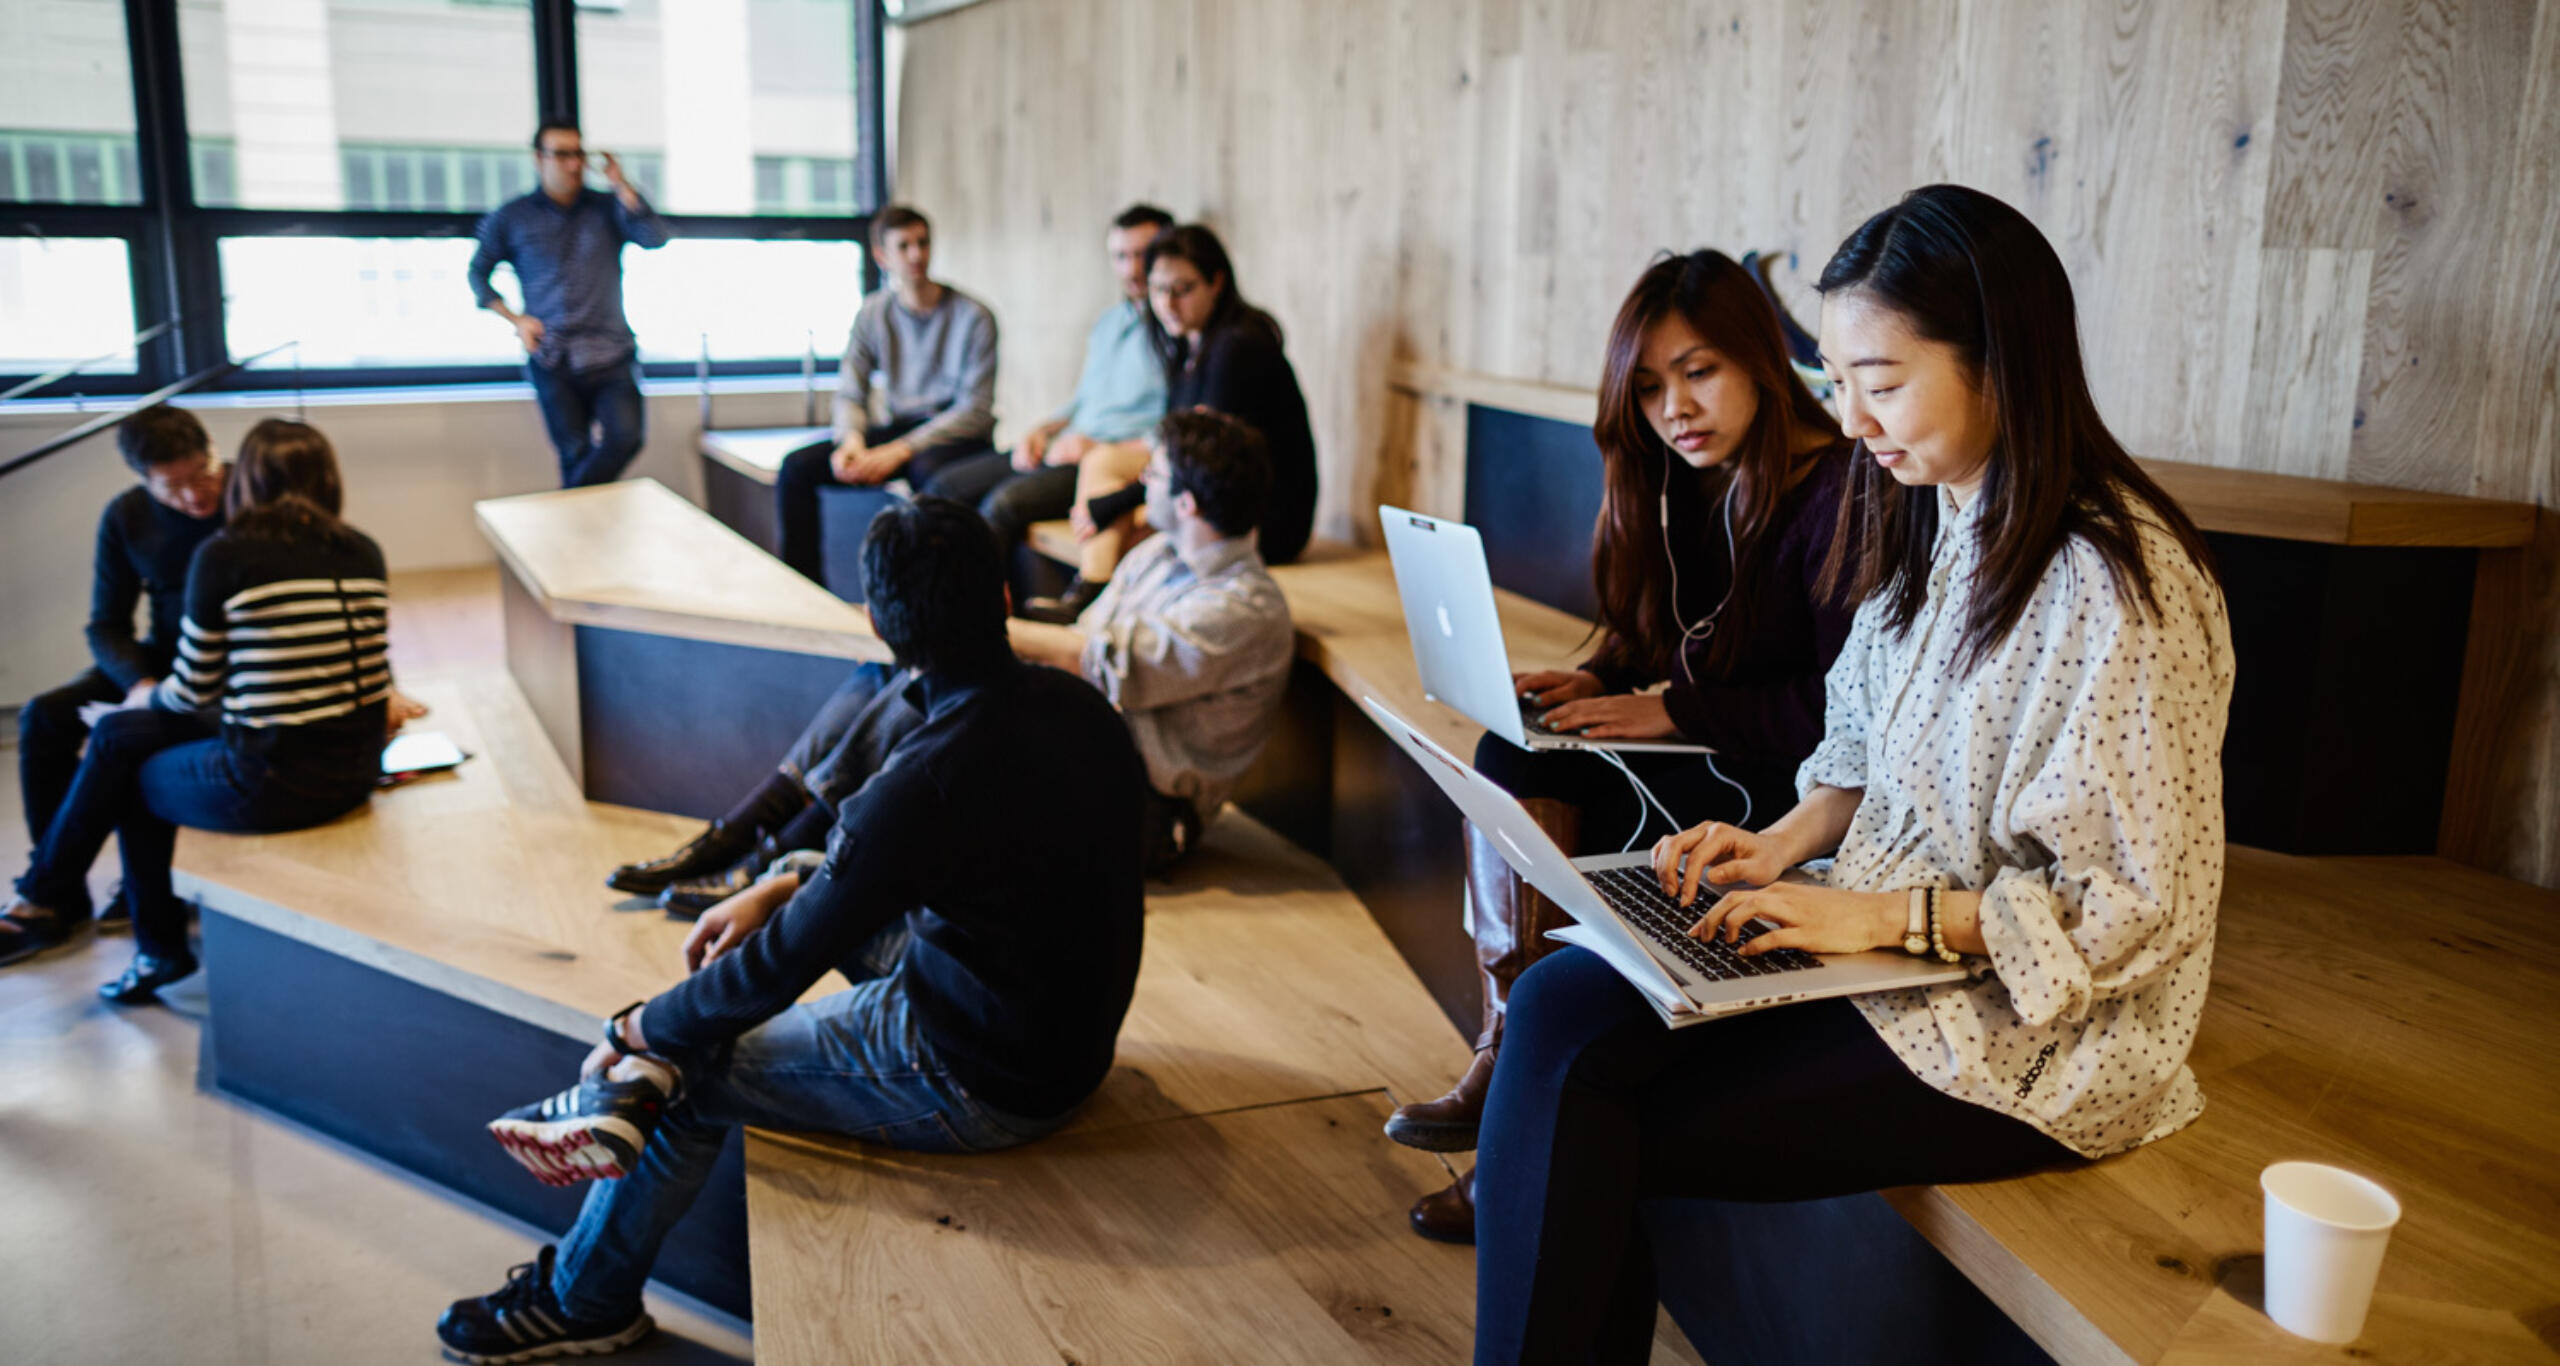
<point>1448,1215</point>
<point>1509,920</point>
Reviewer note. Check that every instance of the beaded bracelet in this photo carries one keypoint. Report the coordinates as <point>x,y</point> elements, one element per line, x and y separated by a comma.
<point>1937,931</point>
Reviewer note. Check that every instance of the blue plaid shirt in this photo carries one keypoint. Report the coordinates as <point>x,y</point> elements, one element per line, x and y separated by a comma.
<point>568,262</point>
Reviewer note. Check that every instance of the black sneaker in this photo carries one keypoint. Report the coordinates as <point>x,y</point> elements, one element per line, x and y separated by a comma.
<point>523,1321</point>
<point>688,900</point>
<point>594,1129</point>
<point>709,852</point>
<point>141,983</point>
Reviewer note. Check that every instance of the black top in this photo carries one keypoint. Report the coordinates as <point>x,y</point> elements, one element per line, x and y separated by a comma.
<point>1027,910</point>
<point>143,549</point>
<point>288,643</point>
<point>1765,709</point>
<point>1239,370</point>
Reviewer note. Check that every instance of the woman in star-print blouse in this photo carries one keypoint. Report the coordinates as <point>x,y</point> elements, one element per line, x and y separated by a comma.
<point>2028,714</point>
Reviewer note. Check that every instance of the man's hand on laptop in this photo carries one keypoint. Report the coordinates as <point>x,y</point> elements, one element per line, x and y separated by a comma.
<point>1619,716</point>
<point>728,924</point>
<point>1555,687</point>
<point>1814,918</point>
<point>1715,854</point>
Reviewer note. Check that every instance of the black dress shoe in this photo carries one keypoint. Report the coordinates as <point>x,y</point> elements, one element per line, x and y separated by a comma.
<point>710,852</point>
<point>117,916</point>
<point>1063,609</point>
<point>687,900</point>
<point>141,983</point>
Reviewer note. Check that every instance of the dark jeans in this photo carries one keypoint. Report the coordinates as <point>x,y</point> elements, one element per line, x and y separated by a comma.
<point>50,733</point>
<point>1612,811</point>
<point>1043,495</point>
<point>595,417</point>
<point>147,773</point>
<point>810,468</point>
<point>1596,1106</point>
<point>852,734</point>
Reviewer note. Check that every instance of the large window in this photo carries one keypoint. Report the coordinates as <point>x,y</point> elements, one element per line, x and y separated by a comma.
<point>305,178</point>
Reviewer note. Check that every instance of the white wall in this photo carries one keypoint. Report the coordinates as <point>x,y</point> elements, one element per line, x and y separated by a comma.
<point>413,470</point>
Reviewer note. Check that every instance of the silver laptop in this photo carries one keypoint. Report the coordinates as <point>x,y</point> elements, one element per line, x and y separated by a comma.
<point>1621,913</point>
<point>1457,634</point>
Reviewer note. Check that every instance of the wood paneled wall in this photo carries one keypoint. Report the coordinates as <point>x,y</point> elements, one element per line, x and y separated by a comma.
<point>2313,236</point>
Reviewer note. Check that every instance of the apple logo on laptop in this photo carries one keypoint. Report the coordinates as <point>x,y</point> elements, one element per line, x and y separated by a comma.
<point>1445,628</point>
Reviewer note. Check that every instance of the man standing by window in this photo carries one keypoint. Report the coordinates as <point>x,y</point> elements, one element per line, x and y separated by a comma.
<point>565,242</point>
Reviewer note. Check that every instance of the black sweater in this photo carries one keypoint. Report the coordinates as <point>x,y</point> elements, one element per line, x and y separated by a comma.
<point>1240,370</point>
<point>143,550</point>
<point>1027,910</point>
<point>1764,710</point>
<point>287,643</point>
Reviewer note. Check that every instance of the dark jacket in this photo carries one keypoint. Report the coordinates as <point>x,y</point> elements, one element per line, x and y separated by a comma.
<point>1027,909</point>
<point>144,547</point>
<point>1764,710</point>
<point>1240,370</point>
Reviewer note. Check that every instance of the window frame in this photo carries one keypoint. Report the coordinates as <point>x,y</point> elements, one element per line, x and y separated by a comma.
<point>173,245</point>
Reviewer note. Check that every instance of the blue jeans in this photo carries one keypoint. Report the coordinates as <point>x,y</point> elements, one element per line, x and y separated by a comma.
<point>148,772</point>
<point>595,419</point>
<point>852,1064</point>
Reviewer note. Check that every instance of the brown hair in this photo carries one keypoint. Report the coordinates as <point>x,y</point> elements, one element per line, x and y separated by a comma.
<point>2055,471</point>
<point>891,219</point>
<point>1630,572</point>
<point>285,485</point>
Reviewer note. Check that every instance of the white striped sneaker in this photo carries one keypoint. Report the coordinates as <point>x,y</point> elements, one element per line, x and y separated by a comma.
<point>594,1129</point>
<point>523,1321</point>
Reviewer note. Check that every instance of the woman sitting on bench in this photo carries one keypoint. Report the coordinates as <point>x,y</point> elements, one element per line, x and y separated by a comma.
<point>1723,479</point>
<point>273,718</point>
<point>1222,354</point>
<point>2022,752</point>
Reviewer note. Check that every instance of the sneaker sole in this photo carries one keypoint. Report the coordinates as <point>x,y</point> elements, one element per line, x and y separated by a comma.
<point>567,1151</point>
<point>584,1347</point>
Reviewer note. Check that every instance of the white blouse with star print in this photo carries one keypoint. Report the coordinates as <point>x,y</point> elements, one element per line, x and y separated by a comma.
<point>2074,779</point>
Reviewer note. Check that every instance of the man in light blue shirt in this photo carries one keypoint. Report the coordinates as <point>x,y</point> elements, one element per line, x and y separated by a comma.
<point>1118,399</point>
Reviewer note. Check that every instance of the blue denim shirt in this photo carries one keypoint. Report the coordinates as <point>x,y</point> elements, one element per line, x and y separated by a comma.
<point>1120,395</point>
<point>568,262</point>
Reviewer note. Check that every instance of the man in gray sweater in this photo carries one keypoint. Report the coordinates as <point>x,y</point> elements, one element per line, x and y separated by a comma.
<point>930,352</point>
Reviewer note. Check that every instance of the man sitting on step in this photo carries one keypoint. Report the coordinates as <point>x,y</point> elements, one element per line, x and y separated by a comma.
<point>1192,643</point>
<point>991,933</point>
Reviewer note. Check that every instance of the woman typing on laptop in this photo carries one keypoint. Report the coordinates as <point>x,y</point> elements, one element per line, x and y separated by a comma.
<point>1723,477</point>
<point>2020,769</point>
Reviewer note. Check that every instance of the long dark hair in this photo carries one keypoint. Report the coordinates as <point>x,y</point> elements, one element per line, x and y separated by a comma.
<point>1629,571</point>
<point>2055,471</point>
<point>1195,243</point>
<point>285,486</point>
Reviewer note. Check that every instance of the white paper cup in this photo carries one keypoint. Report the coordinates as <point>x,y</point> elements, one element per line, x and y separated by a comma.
<point>2326,1229</point>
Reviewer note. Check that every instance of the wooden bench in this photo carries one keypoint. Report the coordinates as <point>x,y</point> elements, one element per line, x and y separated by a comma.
<point>739,467</point>
<point>630,617</point>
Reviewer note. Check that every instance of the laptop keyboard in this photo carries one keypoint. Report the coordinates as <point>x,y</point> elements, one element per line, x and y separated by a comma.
<point>1638,899</point>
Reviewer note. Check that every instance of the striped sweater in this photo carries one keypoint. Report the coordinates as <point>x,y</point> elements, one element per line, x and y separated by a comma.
<point>287,644</point>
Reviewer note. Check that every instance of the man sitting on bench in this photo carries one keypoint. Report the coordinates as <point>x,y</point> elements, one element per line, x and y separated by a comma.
<point>932,351</point>
<point>1193,646</point>
<point>991,933</point>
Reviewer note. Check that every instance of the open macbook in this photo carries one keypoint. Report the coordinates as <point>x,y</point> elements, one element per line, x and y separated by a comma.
<point>1457,635</point>
<point>1621,913</point>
